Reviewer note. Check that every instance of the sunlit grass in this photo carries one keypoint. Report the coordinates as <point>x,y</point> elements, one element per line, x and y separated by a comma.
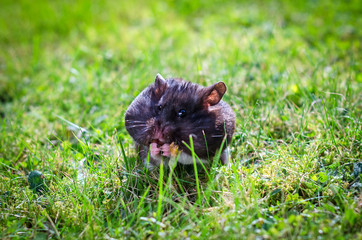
<point>68,71</point>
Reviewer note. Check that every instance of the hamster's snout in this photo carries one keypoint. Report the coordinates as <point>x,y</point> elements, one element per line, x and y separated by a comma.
<point>162,135</point>
<point>167,131</point>
<point>158,136</point>
<point>160,144</point>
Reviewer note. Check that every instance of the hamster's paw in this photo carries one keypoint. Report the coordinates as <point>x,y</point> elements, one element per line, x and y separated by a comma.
<point>165,149</point>
<point>157,151</point>
<point>154,149</point>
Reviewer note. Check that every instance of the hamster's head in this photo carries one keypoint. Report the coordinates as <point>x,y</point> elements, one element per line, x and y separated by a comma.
<point>171,110</point>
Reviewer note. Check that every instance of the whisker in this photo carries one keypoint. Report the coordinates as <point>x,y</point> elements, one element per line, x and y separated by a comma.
<point>139,124</point>
<point>134,126</point>
<point>217,136</point>
<point>135,121</point>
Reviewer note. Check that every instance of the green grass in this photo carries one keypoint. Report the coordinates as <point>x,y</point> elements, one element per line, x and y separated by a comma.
<point>293,72</point>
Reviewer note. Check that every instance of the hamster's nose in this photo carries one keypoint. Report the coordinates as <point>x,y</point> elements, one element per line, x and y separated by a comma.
<point>167,131</point>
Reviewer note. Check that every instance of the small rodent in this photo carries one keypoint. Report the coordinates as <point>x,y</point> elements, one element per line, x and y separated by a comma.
<point>163,116</point>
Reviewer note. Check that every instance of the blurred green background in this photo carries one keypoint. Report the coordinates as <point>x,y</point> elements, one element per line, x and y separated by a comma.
<point>63,57</point>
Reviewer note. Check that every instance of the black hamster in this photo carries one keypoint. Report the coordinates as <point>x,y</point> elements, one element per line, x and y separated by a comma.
<point>163,116</point>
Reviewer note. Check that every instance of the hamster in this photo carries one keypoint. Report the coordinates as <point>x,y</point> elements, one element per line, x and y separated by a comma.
<point>163,116</point>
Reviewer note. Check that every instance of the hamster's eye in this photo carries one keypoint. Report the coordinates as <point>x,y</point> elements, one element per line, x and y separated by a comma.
<point>181,113</point>
<point>159,107</point>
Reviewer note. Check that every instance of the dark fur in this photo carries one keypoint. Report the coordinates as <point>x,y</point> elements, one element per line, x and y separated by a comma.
<point>208,125</point>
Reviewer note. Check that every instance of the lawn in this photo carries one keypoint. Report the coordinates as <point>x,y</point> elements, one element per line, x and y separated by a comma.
<point>69,70</point>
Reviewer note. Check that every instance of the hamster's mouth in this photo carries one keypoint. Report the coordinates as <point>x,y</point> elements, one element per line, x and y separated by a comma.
<point>159,142</point>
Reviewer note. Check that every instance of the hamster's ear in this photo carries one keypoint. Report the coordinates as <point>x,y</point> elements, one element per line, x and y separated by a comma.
<point>213,94</point>
<point>159,79</point>
<point>160,86</point>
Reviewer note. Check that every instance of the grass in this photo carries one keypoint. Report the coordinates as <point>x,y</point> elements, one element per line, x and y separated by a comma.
<point>293,72</point>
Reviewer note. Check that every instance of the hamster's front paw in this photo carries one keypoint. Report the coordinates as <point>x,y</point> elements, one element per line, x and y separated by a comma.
<point>155,150</point>
<point>165,149</point>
